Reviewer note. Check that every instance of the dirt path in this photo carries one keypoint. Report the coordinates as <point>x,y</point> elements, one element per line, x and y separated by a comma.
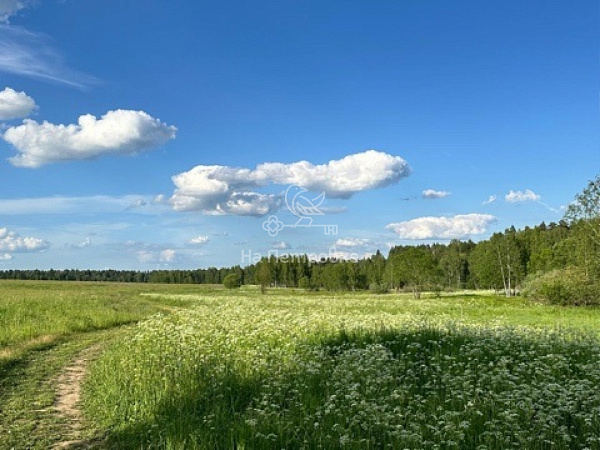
<point>68,396</point>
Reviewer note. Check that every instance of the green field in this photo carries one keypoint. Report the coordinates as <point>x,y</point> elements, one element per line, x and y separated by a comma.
<point>186,367</point>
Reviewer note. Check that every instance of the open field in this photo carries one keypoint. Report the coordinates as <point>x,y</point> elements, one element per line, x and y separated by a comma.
<point>43,326</point>
<point>209,368</point>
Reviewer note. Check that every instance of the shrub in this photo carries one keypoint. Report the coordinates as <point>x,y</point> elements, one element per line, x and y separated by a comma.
<point>231,281</point>
<point>563,287</point>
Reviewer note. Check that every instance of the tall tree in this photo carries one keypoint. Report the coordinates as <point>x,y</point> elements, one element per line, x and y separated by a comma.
<point>415,267</point>
<point>263,275</point>
<point>583,215</point>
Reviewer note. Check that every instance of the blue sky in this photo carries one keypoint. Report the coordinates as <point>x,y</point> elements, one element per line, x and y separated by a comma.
<point>462,102</point>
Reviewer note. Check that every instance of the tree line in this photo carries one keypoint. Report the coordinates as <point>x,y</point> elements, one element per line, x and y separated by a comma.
<point>501,262</point>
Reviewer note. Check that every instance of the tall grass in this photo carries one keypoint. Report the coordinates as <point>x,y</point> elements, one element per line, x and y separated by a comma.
<point>42,310</point>
<point>358,372</point>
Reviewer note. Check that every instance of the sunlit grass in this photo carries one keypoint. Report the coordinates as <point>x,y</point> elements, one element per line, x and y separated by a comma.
<point>31,311</point>
<point>287,370</point>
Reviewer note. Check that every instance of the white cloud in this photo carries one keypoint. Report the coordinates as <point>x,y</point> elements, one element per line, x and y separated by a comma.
<point>250,204</point>
<point>199,240</point>
<point>145,256</point>
<point>15,104</point>
<point>282,245</point>
<point>433,194</point>
<point>29,54</point>
<point>139,203</point>
<point>229,190</point>
<point>11,7</point>
<point>339,178</point>
<point>329,210</point>
<point>164,256</point>
<point>119,132</point>
<point>85,243</point>
<point>5,257</point>
<point>221,190</point>
<point>519,196</point>
<point>10,241</point>
<point>167,255</point>
<point>460,226</point>
<point>490,200</point>
<point>159,199</point>
<point>352,242</point>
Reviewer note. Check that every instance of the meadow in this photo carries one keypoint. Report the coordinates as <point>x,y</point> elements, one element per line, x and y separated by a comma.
<point>43,326</point>
<point>192,367</point>
<point>357,371</point>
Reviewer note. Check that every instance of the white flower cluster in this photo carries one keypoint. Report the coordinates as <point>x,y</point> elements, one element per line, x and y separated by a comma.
<point>317,372</point>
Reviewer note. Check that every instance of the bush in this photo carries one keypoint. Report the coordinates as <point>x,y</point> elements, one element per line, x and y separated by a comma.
<point>231,281</point>
<point>304,283</point>
<point>563,287</point>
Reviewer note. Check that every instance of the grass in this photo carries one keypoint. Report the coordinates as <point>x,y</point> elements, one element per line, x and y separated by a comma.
<point>44,326</point>
<point>196,367</point>
<point>27,392</point>
<point>33,312</point>
<point>294,370</point>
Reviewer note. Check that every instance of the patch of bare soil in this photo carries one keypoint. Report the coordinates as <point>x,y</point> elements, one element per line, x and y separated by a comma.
<point>68,396</point>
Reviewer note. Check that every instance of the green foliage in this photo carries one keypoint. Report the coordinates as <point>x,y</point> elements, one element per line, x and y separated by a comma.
<point>231,281</point>
<point>263,275</point>
<point>414,267</point>
<point>304,282</point>
<point>584,216</point>
<point>563,287</point>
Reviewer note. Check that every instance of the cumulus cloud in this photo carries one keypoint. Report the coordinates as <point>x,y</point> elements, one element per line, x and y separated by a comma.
<point>250,204</point>
<point>352,242</point>
<point>491,199</point>
<point>519,196</point>
<point>433,194</point>
<point>230,190</point>
<point>339,178</point>
<point>15,104</point>
<point>5,257</point>
<point>199,240</point>
<point>10,241</point>
<point>119,132</point>
<point>460,226</point>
